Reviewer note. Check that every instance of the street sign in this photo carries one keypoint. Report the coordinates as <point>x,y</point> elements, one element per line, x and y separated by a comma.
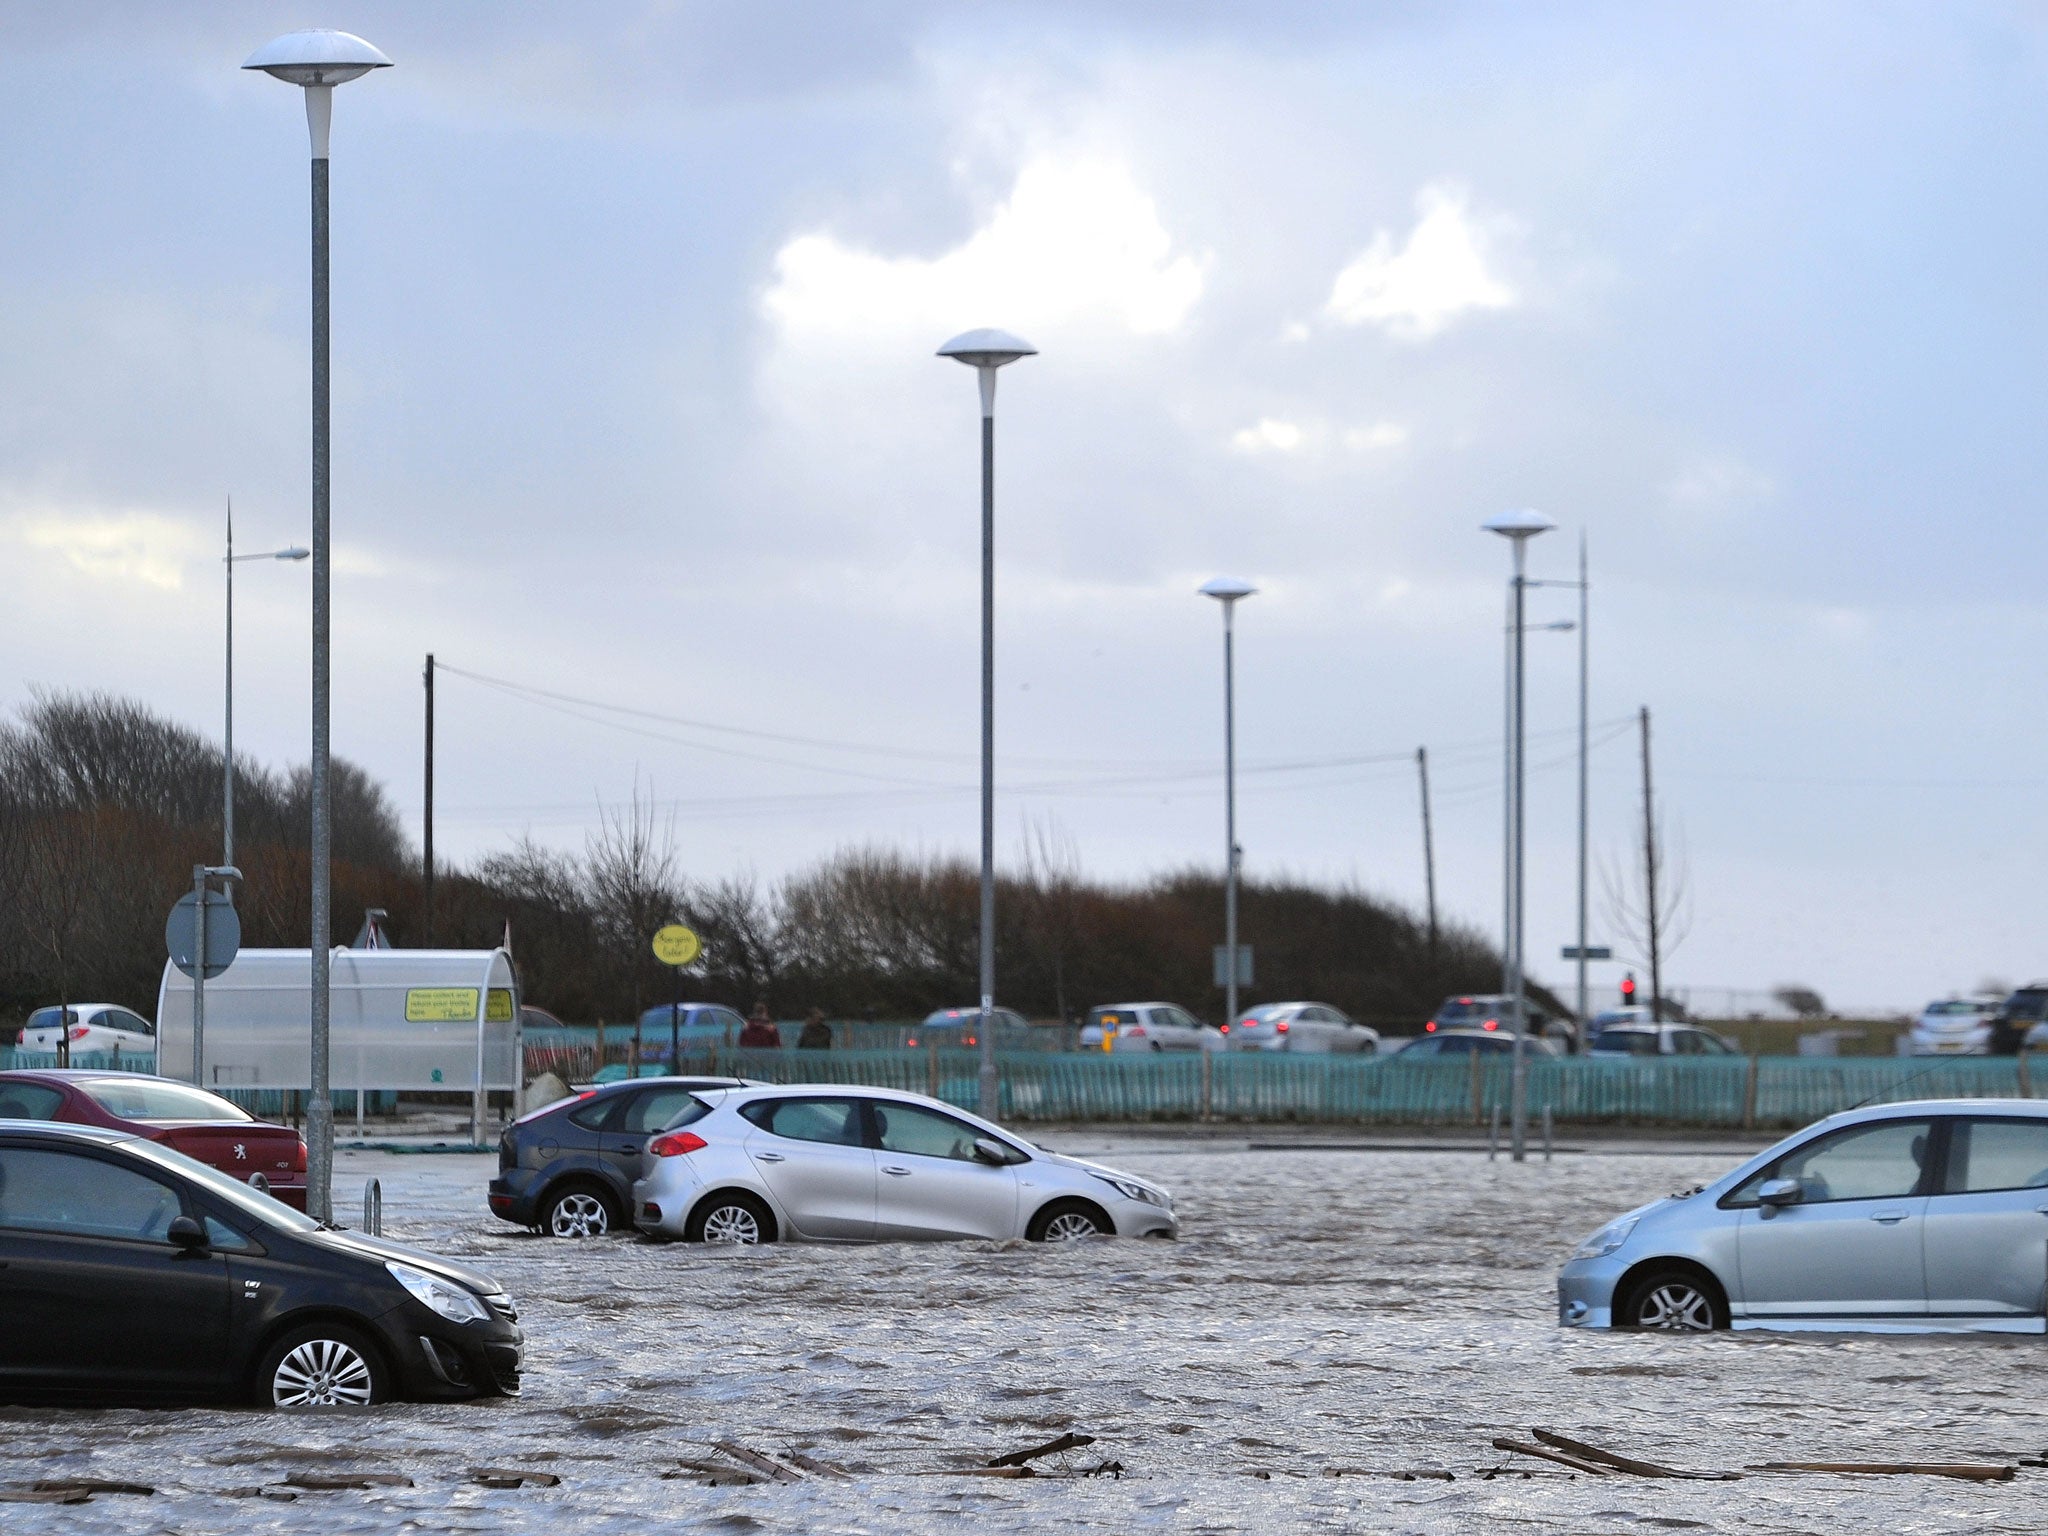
<point>677,945</point>
<point>223,933</point>
<point>1219,960</point>
<point>1593,952</point>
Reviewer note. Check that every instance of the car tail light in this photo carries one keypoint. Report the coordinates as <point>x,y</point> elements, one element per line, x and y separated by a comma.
<point>676,1143</point>
<point>911,1042</point>
<point>78,1031</point>
<point>1280,1028</point>
<point>1135,1031</point>
<point>1430,1027</point>
<point>1491,1024</point>
<point>971,1040</point>
<point>299,1157</point>
<point>1225,1028</point>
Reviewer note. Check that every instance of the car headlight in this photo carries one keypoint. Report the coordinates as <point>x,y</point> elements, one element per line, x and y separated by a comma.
<point>444,1296</point>
<point>1134,1191</point>
<point>1607,1239</point>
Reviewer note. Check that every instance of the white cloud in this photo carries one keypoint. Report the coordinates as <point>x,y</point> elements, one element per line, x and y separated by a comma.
<point>1379,436</point>
<point>1269,436</point>
<point>147,548</point>
<point>1074,240</point>
<point>1438,275</point>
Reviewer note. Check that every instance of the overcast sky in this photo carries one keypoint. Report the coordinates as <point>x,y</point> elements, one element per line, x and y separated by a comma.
<point>635,403</point>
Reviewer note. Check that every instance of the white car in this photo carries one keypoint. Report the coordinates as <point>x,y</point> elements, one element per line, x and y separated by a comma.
<point>1645,1039</point>
<point>1956,1026</point>
<point>92,1027</point>
<point>830,1163</point>
<point>1302,1027</point>
<point>1149,1027</point>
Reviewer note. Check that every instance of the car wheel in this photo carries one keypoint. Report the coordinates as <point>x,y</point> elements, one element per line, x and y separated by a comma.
<point>1672,1301</point>
<point>577,1210</point>
<point>323,1365</point>
<point>1066,1220</point>
<point>730,1217</point>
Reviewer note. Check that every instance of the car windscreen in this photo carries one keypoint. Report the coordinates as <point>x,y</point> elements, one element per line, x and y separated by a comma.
<point>246,1201</point>
<point>1636,1042</point>
<point>146,1098</point>
<point>2029,1004</point>
<point>47,1018</point>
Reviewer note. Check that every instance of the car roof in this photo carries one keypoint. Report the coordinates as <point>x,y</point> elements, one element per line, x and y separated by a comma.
<point>60,1130</point>
<point>88,1075</point>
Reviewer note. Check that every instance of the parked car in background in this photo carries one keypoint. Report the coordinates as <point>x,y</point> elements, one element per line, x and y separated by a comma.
<point>1149,1027</point>
<point>1301,1027</point>
<point>1486,1010</point>
<point>1659,1040</point>
<point>568,1167</point>
<point>958,1026</point>
<point>1954,1026</point>
<point>130,1272</point>
<point>104,1027</point>
<point>697,1024</point>
<point>204,1126</point>
<point>841,1164</point>
<point>2021,1023</point>
<point>1919,1216</point>
<point>1468,1042</point>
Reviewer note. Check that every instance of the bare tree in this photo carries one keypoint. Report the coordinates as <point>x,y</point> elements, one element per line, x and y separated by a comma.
<point>741,932</point>
<point>630,867</point>
<point>1052,902</point>
<point>1650,922</point>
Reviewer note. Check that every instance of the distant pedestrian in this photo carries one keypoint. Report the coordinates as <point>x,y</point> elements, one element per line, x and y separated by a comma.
<point>759,1032</point>
<point>817,1034</point>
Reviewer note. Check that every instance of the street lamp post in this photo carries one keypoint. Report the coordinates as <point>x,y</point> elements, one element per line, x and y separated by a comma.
<point>227,805</point>
<point>1518,528</point>
<point>1229,591</point>
<point>985,351</point>
<point>317,61</point>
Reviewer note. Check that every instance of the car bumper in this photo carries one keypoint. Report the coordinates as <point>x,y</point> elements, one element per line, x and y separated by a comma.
<point>440,1361</point>
<point>663,1200</point>
<point>511,1196</point>
<point>1585,1292</point>
<point>1139,1218</point>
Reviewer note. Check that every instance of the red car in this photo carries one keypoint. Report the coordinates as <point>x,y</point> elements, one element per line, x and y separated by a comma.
<point>202,1125</point>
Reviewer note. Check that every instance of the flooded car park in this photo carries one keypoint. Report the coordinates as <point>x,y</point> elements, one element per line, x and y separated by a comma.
<point>1325,1311</point>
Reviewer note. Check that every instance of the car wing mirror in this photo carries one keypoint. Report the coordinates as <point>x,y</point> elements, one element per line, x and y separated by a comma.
<point>184,1232</point>
<point>991,1151</point>
<point>1780,1192</point>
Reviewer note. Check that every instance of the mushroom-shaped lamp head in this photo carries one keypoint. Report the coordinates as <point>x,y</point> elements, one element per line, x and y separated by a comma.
<point>987,348</point>
<point>1525,523</point>
<point>1226,589</point>
<point>318,56</point>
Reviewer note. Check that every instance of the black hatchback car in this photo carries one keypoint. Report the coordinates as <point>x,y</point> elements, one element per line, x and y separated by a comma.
<point>568,1167</point>
<point>130,1272</point>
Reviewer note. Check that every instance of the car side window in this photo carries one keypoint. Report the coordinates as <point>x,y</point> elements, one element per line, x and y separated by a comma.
<point>923,1132</point>
<point>654,1110</point>
<point>29,1101</point>
<point>1985,1155</point>
<point>596,1114</point>
<point>836,1121</point>
<point>222,1238</point>
<point>133,1023</point>
<point>1884,1161</point>
<point>80,1196</point>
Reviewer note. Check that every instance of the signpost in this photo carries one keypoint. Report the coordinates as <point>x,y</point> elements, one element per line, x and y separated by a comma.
<point>677,946</point>
<point>1590,952</point>
<point>1219,960</point>
<point>203,934</point>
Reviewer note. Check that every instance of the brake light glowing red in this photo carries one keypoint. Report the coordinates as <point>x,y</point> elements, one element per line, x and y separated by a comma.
<point>676,1143</point>
<point>1430,1027</point>
<point>1491,1024</point>
<point>1224,1027</point>
<point>1280,1028</point>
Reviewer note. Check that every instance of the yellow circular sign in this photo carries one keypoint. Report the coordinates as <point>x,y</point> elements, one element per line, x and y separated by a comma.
<point>677,945</point>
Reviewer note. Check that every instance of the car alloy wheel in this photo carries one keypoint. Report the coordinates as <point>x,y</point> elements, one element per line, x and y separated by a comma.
<point>731,1224</point>
<point>1675,1306</point>
<point>323,1373</point>
<point>1068,1225</point>
<point>579,1214</point>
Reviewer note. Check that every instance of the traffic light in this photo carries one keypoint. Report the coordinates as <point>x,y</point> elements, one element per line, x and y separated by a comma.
<point>1628,989</point>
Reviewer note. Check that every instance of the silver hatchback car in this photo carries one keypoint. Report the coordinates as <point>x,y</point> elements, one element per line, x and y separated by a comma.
<point>1929,1216</point>
<point>827,1163</point>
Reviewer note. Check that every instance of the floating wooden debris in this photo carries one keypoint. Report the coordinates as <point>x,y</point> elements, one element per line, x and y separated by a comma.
<point>1587,1452</point>
<point>90,1485</point>
<point>1067,1442</point>
<point>1544,1453</point>
<point>337,1482</point>
<point>1399,1474</point>
<point>818,1468</point>
<point>513,1477</point>
<point>978,1472</point>
<point>282,1495</point>
<point>776,1469</point>
<point>1970,1471</point>
<point>64,1493</point>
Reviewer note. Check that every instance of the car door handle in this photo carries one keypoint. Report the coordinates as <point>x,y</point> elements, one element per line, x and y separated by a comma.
<point>901,1173</point>
<point>1887,1218</point>
<point>770,1157</point>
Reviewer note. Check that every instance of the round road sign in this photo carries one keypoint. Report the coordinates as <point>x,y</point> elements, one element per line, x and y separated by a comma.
<point>223,933</point>
<point>677,945</point>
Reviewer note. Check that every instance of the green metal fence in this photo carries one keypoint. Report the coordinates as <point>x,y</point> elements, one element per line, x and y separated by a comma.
<point>1258,1087</point>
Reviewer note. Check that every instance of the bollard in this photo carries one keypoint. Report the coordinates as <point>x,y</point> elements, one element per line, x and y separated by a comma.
<point>373,1209</point>
<point>1546,1133</point>
<point>1493,1135</point>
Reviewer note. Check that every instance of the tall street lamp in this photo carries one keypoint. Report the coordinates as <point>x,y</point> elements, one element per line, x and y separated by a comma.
<point>1518,528</point>
<point>1229,591</point>
<point>318,61</point>
<point>228,563</point>
<point>985,351</point>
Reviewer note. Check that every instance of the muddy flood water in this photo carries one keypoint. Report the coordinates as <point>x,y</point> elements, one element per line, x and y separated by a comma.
<point>1358,1311</point>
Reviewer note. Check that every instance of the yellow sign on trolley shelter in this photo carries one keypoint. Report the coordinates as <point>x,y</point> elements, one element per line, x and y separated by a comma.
<point>677,945</point>
<point>440,1005</point>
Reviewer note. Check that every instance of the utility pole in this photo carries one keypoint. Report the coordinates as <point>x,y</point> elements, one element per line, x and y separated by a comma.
<point>427,926</point>
<point>1428,847</point>
<point>1650,899</point>
<point>1585,641</point>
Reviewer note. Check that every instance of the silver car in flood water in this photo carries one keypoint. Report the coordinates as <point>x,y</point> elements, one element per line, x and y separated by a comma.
<point>832,1163</point>
<point>1930,1216</point>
